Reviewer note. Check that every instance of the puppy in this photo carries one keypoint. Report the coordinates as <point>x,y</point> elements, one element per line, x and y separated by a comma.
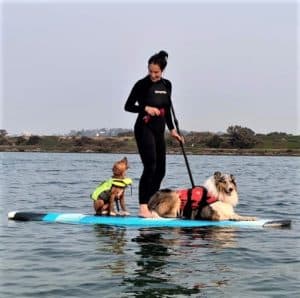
<point>222,187</point>
<point>109,192</point>
<point>213,201</point>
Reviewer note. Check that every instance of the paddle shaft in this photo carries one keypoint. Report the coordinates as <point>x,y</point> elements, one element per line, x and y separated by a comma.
<point>180,142</point>
<point>182,146</point>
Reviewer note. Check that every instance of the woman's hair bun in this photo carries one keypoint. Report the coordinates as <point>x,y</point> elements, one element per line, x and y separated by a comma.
<point>163,54</point>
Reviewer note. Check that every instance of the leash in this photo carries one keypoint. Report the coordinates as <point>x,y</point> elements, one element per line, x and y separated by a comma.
<point>117,205</point>
<point>117,201</point>
<point>180,142</point>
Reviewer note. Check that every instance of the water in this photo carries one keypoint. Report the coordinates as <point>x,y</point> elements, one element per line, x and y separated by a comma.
<point>63,260</point>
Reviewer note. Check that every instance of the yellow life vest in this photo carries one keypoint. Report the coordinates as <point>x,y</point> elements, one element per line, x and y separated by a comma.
<point>104,187</point>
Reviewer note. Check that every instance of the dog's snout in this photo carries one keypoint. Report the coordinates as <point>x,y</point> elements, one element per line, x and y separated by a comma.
<point>230,189</point>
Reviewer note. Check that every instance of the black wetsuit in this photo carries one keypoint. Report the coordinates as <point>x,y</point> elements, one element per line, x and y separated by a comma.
<point>150,135</point>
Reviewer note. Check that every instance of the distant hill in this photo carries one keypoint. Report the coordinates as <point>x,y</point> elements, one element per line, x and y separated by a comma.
<point>236,141</point>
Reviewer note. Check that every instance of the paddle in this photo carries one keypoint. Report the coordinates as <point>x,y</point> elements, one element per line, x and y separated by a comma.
<point>181,145</point>
<point>180,142</point>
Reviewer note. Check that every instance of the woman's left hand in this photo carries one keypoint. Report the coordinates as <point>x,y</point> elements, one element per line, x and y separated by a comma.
<point>176,136</point>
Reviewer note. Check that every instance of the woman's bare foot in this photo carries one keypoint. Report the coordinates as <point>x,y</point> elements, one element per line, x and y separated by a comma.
<point>145,212</point>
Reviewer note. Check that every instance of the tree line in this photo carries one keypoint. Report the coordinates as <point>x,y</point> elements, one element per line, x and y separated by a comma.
<point>236,137</point>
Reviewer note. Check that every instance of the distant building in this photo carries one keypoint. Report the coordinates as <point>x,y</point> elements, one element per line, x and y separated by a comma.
<point>26,134</point>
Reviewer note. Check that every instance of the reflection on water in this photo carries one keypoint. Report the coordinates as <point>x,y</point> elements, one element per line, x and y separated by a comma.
<point>214,237</point>
<point>112,241</point>
<point>159,256</point>
<point>153,278</point>
<point>114,236</point>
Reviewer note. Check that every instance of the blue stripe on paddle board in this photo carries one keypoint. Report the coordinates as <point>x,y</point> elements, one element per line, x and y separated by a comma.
<point>51,217</point>
<point>133,221</point>
<point>145,222</point>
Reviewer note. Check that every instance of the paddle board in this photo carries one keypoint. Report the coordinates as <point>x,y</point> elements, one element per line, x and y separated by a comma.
<point>133,221</point>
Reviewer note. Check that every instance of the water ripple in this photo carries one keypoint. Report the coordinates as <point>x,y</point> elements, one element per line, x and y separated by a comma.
<point>60,260</point>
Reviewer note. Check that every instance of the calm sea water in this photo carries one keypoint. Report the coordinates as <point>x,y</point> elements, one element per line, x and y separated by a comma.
<point>62,260</point>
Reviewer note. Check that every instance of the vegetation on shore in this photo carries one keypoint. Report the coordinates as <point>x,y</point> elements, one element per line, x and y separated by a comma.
<point>236,141</point>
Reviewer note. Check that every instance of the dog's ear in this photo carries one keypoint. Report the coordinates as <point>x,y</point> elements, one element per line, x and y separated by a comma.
<point>125,160</point>
<point>217,175</point>
<point>233,179</point>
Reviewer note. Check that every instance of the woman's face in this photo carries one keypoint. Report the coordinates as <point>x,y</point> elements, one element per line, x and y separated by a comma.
<point>154,72</point>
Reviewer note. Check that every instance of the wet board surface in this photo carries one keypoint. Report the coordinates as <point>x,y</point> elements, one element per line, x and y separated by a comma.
<point>134,221</point>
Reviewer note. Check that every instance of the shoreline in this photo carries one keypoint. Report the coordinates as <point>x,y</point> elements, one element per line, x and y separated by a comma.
<point>202,151</point>
<point>196,144</point>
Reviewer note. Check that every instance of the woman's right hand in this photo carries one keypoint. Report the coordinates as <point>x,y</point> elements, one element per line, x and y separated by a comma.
<point>152,111</point>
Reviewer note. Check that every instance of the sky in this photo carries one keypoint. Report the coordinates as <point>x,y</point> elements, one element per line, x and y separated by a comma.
<point>69,65</point>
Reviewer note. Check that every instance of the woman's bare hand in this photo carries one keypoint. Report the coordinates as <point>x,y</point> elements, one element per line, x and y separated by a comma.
<point>177,136</point>
<point>152,111</point>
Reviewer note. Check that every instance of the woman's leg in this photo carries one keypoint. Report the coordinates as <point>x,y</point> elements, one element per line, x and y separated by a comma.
<point>160,169</point>
<point>147,149</point>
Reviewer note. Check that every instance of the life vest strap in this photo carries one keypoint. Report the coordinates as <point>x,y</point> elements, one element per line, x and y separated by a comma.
<point>121,182</point>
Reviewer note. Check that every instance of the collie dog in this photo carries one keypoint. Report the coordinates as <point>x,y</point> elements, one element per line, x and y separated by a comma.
<point>216,200</point>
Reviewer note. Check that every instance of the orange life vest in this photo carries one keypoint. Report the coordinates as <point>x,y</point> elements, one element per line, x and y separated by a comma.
<point>193,200</point>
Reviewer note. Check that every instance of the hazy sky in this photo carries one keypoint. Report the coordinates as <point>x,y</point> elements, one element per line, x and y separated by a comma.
<point>71,64</point>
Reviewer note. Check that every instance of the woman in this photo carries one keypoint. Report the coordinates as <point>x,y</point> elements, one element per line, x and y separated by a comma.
<point>151,99</point>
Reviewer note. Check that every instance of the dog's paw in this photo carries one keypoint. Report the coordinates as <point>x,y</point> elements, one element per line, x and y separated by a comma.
<point>124,213</point>
<point>112,213</point>
<point>251,218</point>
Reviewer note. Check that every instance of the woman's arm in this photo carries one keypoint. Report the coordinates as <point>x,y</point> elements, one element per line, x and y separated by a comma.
<point>168,115</point>
<point>168,118</point>
<point>134,97</point>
